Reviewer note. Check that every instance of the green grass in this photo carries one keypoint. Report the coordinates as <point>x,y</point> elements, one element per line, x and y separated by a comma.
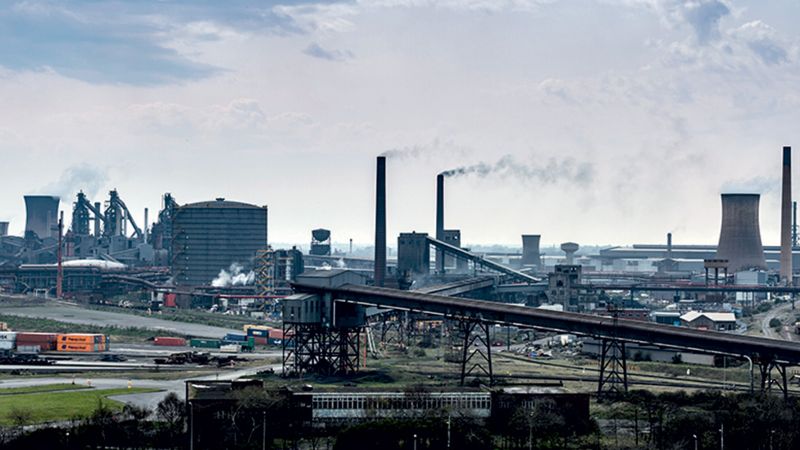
<point>43,388</point>
<point>129,334</point>
<point>56,406</point>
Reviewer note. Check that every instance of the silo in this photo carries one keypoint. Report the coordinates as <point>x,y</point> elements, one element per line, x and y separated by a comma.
<point>41,215</point>
<point>740,235</point>
<point>530,250</point>
<point>210,236</point>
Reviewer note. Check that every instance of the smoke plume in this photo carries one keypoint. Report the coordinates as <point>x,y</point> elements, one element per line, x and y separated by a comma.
<point>552,172</point>
<point>234,276</point>
<point>87,178</point>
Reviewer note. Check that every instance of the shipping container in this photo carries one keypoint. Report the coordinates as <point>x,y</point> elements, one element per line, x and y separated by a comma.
<point>80,348</point>
<point>169,300</point>
<point>230,348</point>
<point>79,338</point>
<point>6,345</point>
<point>170,341</point>
<point>247,328</point>
<point>276,334</point>
<point>45,341</point>
<point>273,341</point>
<point>258,332</point>
<point>8,336</point>
<point>204,343</point>
<point>233,337</point>
<point>30,349</point>
<point>261,340</point>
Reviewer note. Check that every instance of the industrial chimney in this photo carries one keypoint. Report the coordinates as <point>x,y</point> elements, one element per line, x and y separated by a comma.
<point>3,229</point>
<point>380,223</point>
<point>530,250</point>
<point>41,215</point>
<point>740,235</point>
<point>786,217</point>
<point>439,221</point>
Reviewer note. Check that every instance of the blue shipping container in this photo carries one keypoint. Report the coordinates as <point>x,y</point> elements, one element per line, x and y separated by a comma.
<point>235,337</point>
<point>255,332</point>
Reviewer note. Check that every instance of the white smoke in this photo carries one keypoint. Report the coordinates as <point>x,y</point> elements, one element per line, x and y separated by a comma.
<point>340,264</point>
<point>234,276</point>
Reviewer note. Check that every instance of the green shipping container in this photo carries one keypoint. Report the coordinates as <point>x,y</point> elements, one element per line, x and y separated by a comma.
<point>204,343</point>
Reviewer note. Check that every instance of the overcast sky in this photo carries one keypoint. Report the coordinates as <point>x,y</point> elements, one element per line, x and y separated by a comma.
<point>596,121</point>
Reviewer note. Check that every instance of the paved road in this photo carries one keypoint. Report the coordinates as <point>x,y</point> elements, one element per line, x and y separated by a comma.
<point>149,400</point>
<point>74,314</point>
<point>774,313</point>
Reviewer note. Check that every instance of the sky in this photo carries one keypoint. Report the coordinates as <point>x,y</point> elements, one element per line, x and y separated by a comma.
<point>594,121</point>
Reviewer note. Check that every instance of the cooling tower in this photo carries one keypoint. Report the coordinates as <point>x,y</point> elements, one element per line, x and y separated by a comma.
<point>786,217</point>
<point>380,222</point>
<point>530,250</point>
<point>41,215</point>
<point>740,235</point>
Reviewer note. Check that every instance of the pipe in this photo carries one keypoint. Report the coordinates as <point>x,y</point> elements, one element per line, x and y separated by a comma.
<point>439,221</point>
<point>786,217</point>
<point>380,222</point>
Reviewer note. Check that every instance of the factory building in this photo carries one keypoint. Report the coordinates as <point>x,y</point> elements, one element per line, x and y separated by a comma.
<point>210,236</point>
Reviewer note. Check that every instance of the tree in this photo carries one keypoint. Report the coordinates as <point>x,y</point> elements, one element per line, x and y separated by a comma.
<point>172,411</point>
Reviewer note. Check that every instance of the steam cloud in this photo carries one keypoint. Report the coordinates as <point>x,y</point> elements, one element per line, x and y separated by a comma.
<point>234,276</point>
<point>552,172</point>
<point>88,179</point>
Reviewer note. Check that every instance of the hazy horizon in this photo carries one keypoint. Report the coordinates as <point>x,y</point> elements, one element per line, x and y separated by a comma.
<point>594,121</point>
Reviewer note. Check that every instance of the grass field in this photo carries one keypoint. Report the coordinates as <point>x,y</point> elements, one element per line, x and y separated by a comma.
<point>130,334</point>
<point>41,389</point>
<point>57,404</point>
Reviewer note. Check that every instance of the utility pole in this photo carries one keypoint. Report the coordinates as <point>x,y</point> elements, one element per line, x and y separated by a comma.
<point>263,430</point>
<point>722,436</point>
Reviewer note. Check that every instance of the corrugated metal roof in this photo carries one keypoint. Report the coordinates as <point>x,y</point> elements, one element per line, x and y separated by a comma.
<point>713,316</point>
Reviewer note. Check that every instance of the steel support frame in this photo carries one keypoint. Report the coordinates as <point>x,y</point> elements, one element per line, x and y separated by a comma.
<point>393,329</point>
<point>312,348</point>
<point>766,368</point>
<point>613,368</point>
<point>476,358</point>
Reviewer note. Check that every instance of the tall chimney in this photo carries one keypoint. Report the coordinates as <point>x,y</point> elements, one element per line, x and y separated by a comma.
<point>740,234</point>
<point>144,228</point>
<point>669,245</point>
<point>380,223</point>
<point>440,221</point>
<point>786,217</point>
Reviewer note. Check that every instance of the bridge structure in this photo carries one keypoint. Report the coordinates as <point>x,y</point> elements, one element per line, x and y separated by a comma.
<point>480,261</point>
<point>476,316</point>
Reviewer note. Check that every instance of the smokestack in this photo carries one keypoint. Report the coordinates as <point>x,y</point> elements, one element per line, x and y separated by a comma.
<point>144,228</point>
<point>41,215</point>
<point>669,245</point>
<point>740,234</point>
<point>97,220</point>
<point>3,229</point>
<point>786,217</point>
<point>440,221</point>
<point>380,223</point>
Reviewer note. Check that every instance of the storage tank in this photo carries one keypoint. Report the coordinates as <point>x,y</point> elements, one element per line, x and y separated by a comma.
<point>210,236</point>
<point>41,215</point>
<point>740,234</point>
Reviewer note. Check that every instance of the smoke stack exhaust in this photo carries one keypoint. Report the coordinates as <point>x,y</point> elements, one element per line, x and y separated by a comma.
<point>740,234</point>
<point>786,217</point>
<point>380,223</point>
<point>440,221</point>
<point>669,245</point>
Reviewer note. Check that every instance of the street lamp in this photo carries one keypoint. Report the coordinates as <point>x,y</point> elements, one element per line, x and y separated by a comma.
<point>415,442</point>
<point>694,436</point>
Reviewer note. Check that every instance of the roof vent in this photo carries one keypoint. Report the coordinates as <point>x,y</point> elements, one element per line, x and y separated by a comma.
<point>220,199</point>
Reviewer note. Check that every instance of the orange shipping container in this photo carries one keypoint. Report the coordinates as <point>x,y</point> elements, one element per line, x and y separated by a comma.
<point>81,338</point>
<point>79,348</point>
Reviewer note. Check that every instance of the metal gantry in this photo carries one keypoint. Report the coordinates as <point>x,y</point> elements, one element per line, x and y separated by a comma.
<point>476,360</point>
<point>313,348</point>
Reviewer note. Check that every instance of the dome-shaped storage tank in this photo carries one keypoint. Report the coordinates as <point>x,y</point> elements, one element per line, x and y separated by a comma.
<point>210,236</point>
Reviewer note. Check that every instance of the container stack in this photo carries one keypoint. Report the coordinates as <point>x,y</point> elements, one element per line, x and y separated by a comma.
<point>205,343</point>
<point>81,343</point>
<point>36,342</point>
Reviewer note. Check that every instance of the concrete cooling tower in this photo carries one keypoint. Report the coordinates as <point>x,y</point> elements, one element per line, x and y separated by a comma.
<point>41,215</point>
<point>740,236</point>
